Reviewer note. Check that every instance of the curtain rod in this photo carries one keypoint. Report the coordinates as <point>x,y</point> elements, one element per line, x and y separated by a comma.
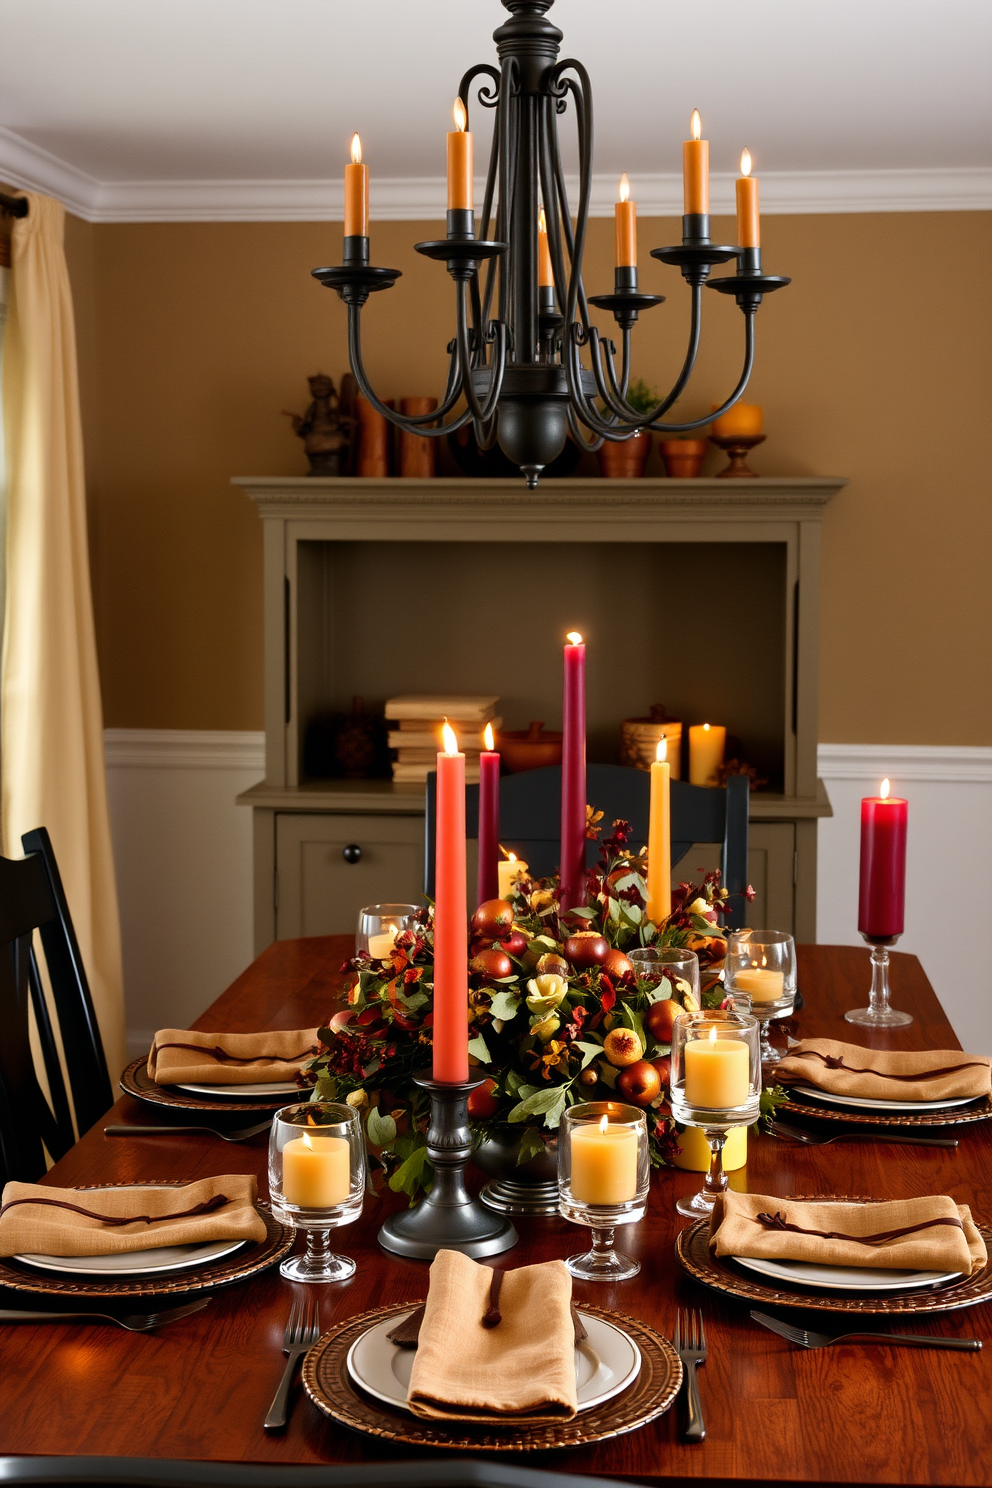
<point>14,206</point>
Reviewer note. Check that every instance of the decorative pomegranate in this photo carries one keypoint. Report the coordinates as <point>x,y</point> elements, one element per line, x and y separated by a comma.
<point>493,920</point>
<point>616,964</point>
<point>482,1104</point>
<point>492,963</point>
<point>515,943</point>
<point>639,1083</point>
<point>660,1017</point>
<point>586,949</point>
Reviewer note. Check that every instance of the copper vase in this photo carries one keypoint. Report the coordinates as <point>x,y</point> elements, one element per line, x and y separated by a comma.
<point>373,440</point>
<point>418,456</point>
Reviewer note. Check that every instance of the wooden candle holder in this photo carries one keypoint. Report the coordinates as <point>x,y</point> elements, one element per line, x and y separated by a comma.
<point>737,448</point>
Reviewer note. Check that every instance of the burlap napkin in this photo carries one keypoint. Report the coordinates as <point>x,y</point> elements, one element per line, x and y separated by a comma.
<point>181,1057</point>
<point>884,1074</point>
<point>932,1234</point>
<point>38,1219</point>
<point>520,1370</point>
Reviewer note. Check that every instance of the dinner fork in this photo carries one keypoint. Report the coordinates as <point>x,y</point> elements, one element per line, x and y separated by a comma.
<point>690,1345</point>
<point>789,1133</point>
<point>807,1339</point>
<point>233,1134</point>
<point>134,1322</point>
<point>302,1332</point>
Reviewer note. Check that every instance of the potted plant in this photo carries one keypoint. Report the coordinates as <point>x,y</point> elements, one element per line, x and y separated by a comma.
<point>682,457</point>
<point>622,461</point>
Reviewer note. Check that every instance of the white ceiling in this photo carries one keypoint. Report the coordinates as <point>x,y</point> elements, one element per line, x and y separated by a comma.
<point>213,108</point>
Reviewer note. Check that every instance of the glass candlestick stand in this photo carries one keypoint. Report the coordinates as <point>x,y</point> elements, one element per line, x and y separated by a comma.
<point>878,1013</point>
<point>317,1182</point>
<point>715,1084</point>
<point>603,1173</point>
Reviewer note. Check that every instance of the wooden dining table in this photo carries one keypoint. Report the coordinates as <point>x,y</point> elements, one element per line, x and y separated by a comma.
<point>199,1388</point>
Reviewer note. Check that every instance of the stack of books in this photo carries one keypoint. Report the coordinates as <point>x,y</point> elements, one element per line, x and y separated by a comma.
<point>415,731</point>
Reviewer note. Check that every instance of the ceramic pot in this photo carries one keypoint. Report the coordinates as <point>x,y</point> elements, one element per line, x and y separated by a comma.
<point>518,1188</point>
<point>624,461</point>
<point>529,749</point>
<point>683,458</point>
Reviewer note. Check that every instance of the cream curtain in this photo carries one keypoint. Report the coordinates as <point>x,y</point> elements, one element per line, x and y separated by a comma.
<point>51,727</point>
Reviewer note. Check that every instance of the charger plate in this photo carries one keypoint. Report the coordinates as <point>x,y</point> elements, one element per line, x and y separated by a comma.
<point>136,1081</point>
<point>980,1111</point>
<point>330,1387</point>
<point>723,1275</point>
<point>250,1258</point>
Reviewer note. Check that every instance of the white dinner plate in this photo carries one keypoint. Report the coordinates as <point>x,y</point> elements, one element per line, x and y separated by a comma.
<point>135,1262</point>
<point>605,1363</point>
<point>830,1099</point>
<point>845,1278</point>
<point>236,1092</point>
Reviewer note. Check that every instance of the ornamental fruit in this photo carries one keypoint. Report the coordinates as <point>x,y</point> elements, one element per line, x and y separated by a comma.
<point>616,964</point>
<point>663,1064</point>
<point>492,963</point>
<point>622,1047</point>
<point>551,964</point>
<point>589,1077</point>
<point>482,1103</point>
<point>493,920</point>
<point>660,1017</point>
<point>639,1083</point>
<point>586,949</point>
<point>515,943</point>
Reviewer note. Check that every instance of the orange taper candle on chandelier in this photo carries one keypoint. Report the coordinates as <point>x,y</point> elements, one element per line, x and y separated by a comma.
<point>460,162</point>
<point>625,213</point>
<point>450,918</point>
<point>748,223</point>
<point>356,193</point>
<point>696,170</point>
<point>545,273</point>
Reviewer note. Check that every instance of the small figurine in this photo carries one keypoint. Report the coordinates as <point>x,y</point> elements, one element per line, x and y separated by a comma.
<point>325,428</point>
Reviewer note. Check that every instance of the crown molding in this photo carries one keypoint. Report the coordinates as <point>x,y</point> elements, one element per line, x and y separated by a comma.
<point>945,764</point>
<point>420,199</point>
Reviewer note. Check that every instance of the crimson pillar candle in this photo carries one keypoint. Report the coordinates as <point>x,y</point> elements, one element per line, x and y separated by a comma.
<point>883,865</point>
<point>450,919</point>
<point>487,883</point>
<point>573,776</point>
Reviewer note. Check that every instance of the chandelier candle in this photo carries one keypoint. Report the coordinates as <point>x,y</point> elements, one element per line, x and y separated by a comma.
<point>659,905</point>
<point>450,919</point>
<point>696,171</point>
<point>883,865</point>
<point>748,224</point>
<point>573,776</point>
<point>625,213</point>
<point>356,193</point>
<point>460,162</point>
<point>706,745</point>
<point>487,883</point>
<point>545,273</point>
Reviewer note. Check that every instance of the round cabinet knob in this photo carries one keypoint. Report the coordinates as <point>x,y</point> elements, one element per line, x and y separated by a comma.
<point>352,853</point>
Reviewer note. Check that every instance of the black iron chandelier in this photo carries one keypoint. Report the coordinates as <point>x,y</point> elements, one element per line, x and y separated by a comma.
<point>522,315</point>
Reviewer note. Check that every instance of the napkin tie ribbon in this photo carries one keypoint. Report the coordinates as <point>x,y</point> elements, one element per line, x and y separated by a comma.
<point>492,1316</point>
<point>222,1056</point>
<point>778,1221</point>
<point>207,1207</point>
<point>834,1061</point>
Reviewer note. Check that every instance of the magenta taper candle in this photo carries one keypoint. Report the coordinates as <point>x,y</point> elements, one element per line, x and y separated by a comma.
<point>487,882</point>
<point>573,776</point>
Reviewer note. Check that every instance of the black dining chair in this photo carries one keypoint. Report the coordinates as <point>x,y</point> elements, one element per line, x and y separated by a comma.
<point>530,816</point>
<point>152,1472</point>
<point>32,900</point>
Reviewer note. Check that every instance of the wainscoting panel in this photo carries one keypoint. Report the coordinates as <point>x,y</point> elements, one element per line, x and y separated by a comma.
<point>183,854</point>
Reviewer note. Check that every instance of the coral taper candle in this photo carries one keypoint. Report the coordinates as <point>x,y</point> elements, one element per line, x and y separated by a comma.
<point>748,223</point>
<point>450,919</point>
<point>460,162</point>
<point>573,776</point>
<point>487,882</point>
<point>695,170</point>
<point>625,213</point>
<point>545,273</point>
<point>356,193</point>
<point>884,820</point>
<point>659,905</point>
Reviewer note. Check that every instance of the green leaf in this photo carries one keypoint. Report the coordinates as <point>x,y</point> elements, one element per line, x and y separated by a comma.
<point>504,1005</point>
<point>553,1114</point>
<point>409,1175</point>
<point>381,1129</point>
<point>477,1049</point>
<point>531,1144</point>
<point>326,1088</point>
<point>589,1051</point>
<point>608,1075</point>
<point>771,1098</point>
<point>513,1082</point>
<point>537,1104</point>
<point>584,913</point>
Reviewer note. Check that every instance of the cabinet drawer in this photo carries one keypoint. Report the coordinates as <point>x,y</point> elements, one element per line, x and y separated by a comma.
<point>319,891</point>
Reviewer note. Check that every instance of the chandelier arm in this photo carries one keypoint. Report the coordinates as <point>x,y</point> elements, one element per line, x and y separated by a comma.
<point>582,93</point>
<point>488,98</point>
<point>575,429</point>
<point>616,399</point>
<point>485,435</point>
<point>547,123</point>
<point>412,423</point>
<point>507,180</point>
<point>583,406</point>
<point>481,412</point>
<point>484,221</point>
<point>564,218</point>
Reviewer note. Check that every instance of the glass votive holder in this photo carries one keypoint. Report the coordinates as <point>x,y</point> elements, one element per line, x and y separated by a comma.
<point>317,1182</point>
<point>671,963</point>
<point>603,1174</point>
<point>761,966</point>
<point>379,925</point>
<point>715,1085</point>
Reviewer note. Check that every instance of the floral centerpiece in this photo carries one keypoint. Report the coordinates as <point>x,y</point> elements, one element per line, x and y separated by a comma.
<point>558,1013</point>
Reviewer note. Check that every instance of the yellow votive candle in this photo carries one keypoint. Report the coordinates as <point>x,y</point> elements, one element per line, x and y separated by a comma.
<point>717,1072</point>
<point>382,944</point>
<point>316,1171</point>
<point>706,745</point>
<point>604,1163</point>
<point>761,983</point>
<point>508,870</point>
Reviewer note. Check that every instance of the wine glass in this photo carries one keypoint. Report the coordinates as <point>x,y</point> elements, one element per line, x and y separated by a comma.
<point>658,962</point>
<point>761,965</point>
<point>317,1182</point>
<point>603,1173</point>
<point>715,1084</point>
<point>379,925</point>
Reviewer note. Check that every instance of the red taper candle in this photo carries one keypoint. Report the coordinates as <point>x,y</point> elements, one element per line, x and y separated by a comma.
<point>573,776</point>
<point>883,865</point>
<point>487,883</point>
<point>450,919</point>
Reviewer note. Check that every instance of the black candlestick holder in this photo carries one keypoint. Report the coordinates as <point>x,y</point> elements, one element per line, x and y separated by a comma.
<point>448,1218</point>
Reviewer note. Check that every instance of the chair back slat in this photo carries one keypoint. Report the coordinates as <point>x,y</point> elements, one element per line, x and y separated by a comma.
<point>49,1048</point>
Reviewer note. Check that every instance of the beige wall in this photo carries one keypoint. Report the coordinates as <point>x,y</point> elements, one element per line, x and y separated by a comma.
<point>874,365</point>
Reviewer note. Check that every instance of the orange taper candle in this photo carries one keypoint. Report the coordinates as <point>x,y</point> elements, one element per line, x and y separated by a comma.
<point>545,273</point>
<point>748,224</point>
<point>450,919</point>
<point>625,213</point>
<point>460,162</point>
<point>356,193</point>
<point>696,170</point>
